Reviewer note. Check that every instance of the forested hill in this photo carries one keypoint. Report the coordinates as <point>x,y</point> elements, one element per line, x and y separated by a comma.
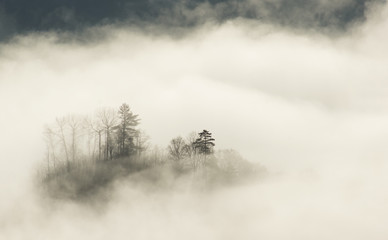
<point>85,155</point>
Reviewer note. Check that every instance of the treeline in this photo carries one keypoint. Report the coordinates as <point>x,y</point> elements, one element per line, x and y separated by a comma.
<point>84,153</point>
<point>106,135</point>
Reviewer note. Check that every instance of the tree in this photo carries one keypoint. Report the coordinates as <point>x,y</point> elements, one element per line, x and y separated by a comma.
<point>49,136</point>
<point>190,144</point>
<point>108,120</point>
<point>125,130</point>
<point>205,143</point>
<point>96,129</point>
<point>177,148</point>
<point>141,142</point>
<point>61,124</point>
<point>74,123</point>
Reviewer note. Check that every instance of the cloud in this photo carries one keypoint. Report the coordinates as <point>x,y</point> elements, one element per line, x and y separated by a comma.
<point>311,108</point>
<point>21,17</point>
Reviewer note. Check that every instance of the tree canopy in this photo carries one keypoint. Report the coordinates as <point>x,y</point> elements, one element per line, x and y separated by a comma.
<point>204,143</point>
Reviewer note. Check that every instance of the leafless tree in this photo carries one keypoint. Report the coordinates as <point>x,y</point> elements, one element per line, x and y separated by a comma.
<point>75,125</point>
<point>141,142</point>
<point>97,129</point>
<point>49,136</point>
<point>177,149</point>
<point>61,129</point>
<point>190,144</point>
<point>108,119</point>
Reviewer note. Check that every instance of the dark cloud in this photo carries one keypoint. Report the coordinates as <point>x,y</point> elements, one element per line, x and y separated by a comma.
<point>24,16</point>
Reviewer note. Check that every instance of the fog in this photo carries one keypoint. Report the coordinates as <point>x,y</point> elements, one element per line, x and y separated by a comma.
<point>311,108</point>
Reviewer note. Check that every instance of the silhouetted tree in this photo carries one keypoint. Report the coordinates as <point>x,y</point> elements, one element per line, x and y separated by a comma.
<point>205,143</point>
<point>74,123</point>
<point>61,124</point>
<point>96,129</point>
<point>108,119</point>
<point>126,131</point>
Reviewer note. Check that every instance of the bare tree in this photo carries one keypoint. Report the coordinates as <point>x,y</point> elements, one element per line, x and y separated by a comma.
<point>141,142</point>
<point>97,128</point>
<point>49,136</point>
<point>75,125</point>
<point>108,119</point>
<point>190,144</point>
<point>177,148</point>
<point>61,125</point>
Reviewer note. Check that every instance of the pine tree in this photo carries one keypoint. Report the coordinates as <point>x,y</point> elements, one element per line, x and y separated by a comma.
<point>205,143</point>
<point>125,130</point>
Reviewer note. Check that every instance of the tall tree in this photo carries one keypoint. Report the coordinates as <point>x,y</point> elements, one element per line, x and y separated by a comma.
<point>50,145</point>
<point>205,143</point>
<point>108,120</point>
<point>74,123</point>
<point>125,130</point>
<point>96,128</point>
<point>141,142</point>
<point>61,125</point>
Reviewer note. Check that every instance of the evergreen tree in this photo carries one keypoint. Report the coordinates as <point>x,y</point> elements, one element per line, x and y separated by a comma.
<point>125,130</point>
<point>205,143</point>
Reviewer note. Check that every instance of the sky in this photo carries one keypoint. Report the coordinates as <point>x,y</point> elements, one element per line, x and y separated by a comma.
<point>23,16</point>
<point>297,86</point>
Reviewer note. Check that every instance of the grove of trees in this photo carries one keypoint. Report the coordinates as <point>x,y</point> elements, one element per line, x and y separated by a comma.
<point>105,135</point>
<point>84,153</point>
